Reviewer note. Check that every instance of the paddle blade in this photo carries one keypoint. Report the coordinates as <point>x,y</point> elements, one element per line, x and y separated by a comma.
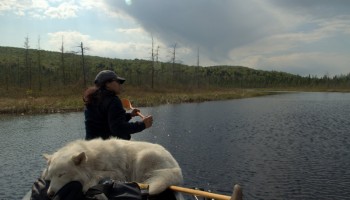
<point>126,104</point>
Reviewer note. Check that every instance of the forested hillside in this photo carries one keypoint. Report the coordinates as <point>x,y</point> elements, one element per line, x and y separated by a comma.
<point>39,71</point>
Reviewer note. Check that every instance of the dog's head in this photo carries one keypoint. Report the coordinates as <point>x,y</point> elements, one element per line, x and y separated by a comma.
<point>63,169</point>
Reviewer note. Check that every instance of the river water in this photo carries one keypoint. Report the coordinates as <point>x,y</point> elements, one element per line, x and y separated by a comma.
<point>283,146</point>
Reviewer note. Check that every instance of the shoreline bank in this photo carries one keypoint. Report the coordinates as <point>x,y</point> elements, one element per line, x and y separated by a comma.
<point>74,103</point>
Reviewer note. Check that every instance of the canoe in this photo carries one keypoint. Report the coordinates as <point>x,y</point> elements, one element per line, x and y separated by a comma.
<point>195,193</point>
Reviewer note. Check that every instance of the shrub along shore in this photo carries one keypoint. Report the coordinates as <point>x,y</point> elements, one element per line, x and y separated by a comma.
<point>68,102</point>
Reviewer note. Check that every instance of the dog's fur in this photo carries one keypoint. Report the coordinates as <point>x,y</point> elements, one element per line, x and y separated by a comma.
<point>90,161</point>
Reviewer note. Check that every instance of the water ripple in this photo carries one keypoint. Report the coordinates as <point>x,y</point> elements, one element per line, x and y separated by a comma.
<point>292,146</point>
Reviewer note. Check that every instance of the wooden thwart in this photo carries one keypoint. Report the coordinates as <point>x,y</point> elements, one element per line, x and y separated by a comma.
<point>236,195</point>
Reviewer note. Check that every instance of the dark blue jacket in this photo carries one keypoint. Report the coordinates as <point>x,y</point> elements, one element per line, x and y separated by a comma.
<point>108,118</point>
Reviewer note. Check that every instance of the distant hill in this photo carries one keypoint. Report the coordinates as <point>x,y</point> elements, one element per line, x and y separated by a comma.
<point>45,70</point>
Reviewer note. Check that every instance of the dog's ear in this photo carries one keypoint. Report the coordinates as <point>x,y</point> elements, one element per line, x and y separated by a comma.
<point>80,158</point>
<point>48,158</point>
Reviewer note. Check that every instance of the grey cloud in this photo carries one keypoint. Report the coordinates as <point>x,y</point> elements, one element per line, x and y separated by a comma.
<point>213,26</point>
<point>316,8</point>
<point>218,27</point>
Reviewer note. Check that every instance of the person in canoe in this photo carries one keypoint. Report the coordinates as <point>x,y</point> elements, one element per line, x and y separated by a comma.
<point>105,116</point>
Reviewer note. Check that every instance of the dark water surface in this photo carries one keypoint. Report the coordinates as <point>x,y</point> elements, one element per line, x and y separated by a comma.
<point>286,146</point>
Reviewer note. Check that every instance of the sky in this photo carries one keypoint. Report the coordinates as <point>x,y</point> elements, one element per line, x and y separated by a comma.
<point>304,37</point>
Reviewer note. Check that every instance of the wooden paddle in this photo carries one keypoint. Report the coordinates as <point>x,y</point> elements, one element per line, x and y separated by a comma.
<point>127,105</point>
<point>236,195</point>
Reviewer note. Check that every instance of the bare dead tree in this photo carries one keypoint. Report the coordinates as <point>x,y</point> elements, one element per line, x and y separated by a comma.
<point>39,65</point>
<point>173,59</point>
<point>26,61</point>
<point>157,58</point>
<point>197,69</point>
<point>83,62</point>
<point>157,55</point>
<point>152,78</point>
<point>62,63</point>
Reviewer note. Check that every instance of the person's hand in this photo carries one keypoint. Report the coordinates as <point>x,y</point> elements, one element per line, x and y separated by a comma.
<point>148,121</point>
<point>134,112</point>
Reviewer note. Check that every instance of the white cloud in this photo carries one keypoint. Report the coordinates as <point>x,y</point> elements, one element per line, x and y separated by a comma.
<point>339,24</point>
<point>18,8</point>
<point>6,5</point>
<point>299,63</point>
<point>40,4</point>
<point>72,40</point>
<point>41,8</point>
<point>103,8</point>
<point>21,7</point>
<point>302,63</point>
<point>135,35</point>
<point>92,4</point>
<point>128,50</point>
<point>131,30</point>
<point>63,11</point>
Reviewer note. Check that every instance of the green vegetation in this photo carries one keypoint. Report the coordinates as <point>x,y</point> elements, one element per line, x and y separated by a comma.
<point>139,98</point>
<point>38,81</point>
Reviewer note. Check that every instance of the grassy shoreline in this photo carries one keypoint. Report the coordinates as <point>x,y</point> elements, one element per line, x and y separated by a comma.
<point>139,98</point>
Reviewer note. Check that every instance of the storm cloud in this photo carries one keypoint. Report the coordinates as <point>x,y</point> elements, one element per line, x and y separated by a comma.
<point>212,26</point>
<point>223,29</point>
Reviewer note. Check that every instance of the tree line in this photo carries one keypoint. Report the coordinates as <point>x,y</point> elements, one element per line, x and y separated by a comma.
<point>41,70</point>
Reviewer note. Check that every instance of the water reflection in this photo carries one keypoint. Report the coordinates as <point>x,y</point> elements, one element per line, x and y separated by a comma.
<point>292,146</point>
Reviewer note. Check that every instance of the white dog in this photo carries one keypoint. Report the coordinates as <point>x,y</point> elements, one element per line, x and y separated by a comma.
<point>90,161</point>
